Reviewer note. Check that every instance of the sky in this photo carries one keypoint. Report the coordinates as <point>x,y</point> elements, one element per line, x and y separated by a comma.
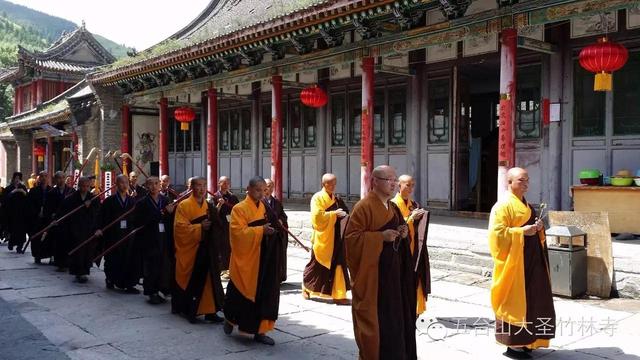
<point>136,23</point>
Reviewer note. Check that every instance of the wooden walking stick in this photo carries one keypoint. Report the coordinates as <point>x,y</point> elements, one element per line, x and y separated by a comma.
<point>114,157</point>
<point>58,221</point>
<point>84,163</point>
<point>126,155</point>
<point>278,224</point>
<point>70,159</point>
<point>112,247</point>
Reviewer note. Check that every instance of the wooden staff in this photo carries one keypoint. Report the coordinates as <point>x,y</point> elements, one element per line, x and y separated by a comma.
<point>70,159</point>
<point>112,247</point>
<point>97,196</point>
<point>82,244</point>
<point>278,224</point>
<point>126,155</point>
<point>114,157</point>
<point>84,163</point>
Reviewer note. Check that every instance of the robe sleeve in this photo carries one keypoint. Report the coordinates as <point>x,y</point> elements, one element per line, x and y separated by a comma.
<point>506,244</point>
<point>323,231</point>
<point>245,251</point>
<point>184,231</point>
<point>363,248</point>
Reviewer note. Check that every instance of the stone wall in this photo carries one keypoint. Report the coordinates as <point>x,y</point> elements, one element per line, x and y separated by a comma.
<point>110,102</point>
<point>24,151</point>
<point>10,164</point>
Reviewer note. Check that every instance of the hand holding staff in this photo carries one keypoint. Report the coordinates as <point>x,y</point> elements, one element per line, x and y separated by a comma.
<point>281,227</point>
<point>119,242</point>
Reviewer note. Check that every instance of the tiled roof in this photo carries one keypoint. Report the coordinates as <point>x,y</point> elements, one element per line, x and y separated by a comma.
<point>63,66</point>
<point>221,18</point>
<point>52,111</point>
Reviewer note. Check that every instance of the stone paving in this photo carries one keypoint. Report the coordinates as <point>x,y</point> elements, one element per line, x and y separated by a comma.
<point>47,316</point>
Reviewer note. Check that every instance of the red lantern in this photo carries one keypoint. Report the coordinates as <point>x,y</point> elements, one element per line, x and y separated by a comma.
<point>602,59</point>
<point>313,97</point>
<point>39,151</point>
<point>184,115</point>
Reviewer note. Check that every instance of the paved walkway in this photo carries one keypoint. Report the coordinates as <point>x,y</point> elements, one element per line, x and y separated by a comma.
<point>86,321</point>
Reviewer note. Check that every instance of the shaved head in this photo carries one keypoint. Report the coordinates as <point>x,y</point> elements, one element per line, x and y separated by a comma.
<point>328,177</point>
<point>518,180</point>
<point>406,185</point>
<point>383,181</point>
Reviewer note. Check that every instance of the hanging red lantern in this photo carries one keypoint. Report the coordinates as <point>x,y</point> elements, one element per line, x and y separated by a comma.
<point>39,151</point>
<point>313,96</point>
<point>602,59</point>
<point>184,115</point>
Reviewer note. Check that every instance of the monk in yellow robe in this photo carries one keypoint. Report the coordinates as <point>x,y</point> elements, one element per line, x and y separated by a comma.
<point>417,220</point>
<point>521,289</point>
<point>325,276</point>
<point>253,292</point>
<point>383,283</point>
<point>198,289</point>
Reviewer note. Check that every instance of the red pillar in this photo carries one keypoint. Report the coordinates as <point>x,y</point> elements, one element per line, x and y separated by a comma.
<point>34,94</point>
<point>124,139</point>
<point>34,158</point>
<point>212,139</point>
<point>164,137</point>
<point>18,99</point>
<point>366,153</point>
<point>50,168</point>
<point>276,134</point>
<point>506,142</point>
<point>39,91</point>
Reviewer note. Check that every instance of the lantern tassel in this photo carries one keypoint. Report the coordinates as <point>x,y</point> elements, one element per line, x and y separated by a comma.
<point>603,82</point>
<point>184,126</point>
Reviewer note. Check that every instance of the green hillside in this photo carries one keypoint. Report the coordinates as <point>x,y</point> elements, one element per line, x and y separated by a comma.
<point>33,30</point>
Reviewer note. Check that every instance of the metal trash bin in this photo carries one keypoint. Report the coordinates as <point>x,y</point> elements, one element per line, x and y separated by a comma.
<point>567,260</point>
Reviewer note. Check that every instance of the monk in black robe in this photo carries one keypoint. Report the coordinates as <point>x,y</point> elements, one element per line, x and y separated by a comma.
<point>382,273</point>
<point>225,200</point>
<point>274,207</point>
<point>135,190</point>
<point>16,211</point>
<point>253,293</point>
<point>166,189</point>
<point>154,213</point>
<point>79,227</point>
<point>196,236</point>
<point>123,265</point>
<point>41,247</point>
<point>52,208</point>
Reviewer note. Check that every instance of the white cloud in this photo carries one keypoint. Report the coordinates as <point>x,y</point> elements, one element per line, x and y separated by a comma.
<point>135,23</point>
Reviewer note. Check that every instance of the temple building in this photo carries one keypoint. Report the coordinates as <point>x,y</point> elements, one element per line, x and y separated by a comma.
<point>450,91</point>
<point>55,111</point>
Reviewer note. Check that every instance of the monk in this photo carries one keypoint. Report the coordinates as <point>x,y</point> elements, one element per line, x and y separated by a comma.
<point>521,289</point>
<point>225,200</point>
<point>166,189</point>
<point>382,273</point>
<point>154,212</point>
<point>325,276</point>
<point>275,206</point>
<point>52,208</point>
<point>123,265</point>
<point>414,216</point>
<point>16,210</point>
<point>196,235</point>
<point>134,189</point>
<point>78,227</point>
<point>253,292</point>
<point>42,247</point>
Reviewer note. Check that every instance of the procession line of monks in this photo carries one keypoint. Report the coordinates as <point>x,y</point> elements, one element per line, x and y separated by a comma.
<point>377,251</point>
